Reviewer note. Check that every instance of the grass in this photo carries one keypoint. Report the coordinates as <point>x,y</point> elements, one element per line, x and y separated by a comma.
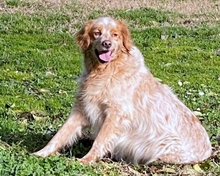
<point>40,63</point>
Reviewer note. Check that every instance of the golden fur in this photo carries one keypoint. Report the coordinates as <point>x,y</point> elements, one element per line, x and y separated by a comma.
<point>124,108</point>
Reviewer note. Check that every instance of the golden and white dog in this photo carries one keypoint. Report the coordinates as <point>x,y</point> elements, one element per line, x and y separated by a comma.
<point>124,108</point>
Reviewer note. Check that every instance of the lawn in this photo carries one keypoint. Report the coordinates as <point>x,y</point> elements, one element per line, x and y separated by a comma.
<point>40,64</point>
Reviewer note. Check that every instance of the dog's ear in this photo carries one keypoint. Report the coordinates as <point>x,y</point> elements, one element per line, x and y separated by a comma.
<point>82,37</point>
<point>126,37</point>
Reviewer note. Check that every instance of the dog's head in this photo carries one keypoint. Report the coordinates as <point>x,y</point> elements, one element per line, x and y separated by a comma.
<point>105,38</point>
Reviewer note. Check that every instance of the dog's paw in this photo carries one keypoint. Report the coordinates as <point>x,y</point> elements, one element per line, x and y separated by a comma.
<point>85,160</point>
<point>42,153</point>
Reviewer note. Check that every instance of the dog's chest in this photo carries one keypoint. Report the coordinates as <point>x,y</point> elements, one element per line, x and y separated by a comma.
<point>101,93</point>
<point>95,97</point>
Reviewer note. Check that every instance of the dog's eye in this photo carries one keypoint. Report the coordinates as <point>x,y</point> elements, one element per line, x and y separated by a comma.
<point>115,35</point>
<point>97,33</point>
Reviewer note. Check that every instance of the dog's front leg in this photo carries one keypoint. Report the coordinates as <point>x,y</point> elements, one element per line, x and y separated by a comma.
<point>104,142</point>
<point>67,134</point>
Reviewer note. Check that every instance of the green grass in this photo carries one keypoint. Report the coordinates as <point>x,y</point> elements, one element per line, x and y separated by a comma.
<point>40,63</point>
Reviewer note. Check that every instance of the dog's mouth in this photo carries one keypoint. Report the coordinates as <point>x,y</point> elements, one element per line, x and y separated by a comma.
<point>104,56</point>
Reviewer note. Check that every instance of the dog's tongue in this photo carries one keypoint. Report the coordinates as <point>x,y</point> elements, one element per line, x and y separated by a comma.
<point>105,56</point>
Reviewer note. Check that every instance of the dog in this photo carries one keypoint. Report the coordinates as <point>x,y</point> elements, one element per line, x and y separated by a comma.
<point>130,114</point>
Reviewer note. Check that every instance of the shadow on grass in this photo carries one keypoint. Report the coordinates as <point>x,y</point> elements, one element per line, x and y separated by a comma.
<point>31,140</point>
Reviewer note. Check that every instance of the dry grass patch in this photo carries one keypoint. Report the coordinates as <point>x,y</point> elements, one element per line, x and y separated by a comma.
<point>182,6</point>
<point>192,12</point>
<point>196,11</point>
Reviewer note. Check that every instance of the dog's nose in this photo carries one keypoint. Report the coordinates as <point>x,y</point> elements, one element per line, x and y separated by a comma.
<point>107,43</point>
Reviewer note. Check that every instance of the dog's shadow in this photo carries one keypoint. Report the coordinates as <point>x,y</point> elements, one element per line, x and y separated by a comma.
<point>32,141</point>
<point>79,149</point>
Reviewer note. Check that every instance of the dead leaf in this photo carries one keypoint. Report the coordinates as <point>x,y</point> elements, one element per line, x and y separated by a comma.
<point>62,92</point>
<point>164,37</point>
<point>197,168</point>
<point>197,113</point>
<point>168,64</point>
<point>158,79</point>
<point>169,170</point>
<point>44,90</point>
<point>188,170</point>
<point>180,83</point>
<point>4,145</point>
<point>218,52</point>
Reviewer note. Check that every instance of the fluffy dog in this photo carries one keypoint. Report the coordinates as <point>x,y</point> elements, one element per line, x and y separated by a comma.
<point>130,115</point>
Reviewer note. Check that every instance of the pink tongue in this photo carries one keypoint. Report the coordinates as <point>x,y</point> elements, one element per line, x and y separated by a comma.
<point>105,56</point>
